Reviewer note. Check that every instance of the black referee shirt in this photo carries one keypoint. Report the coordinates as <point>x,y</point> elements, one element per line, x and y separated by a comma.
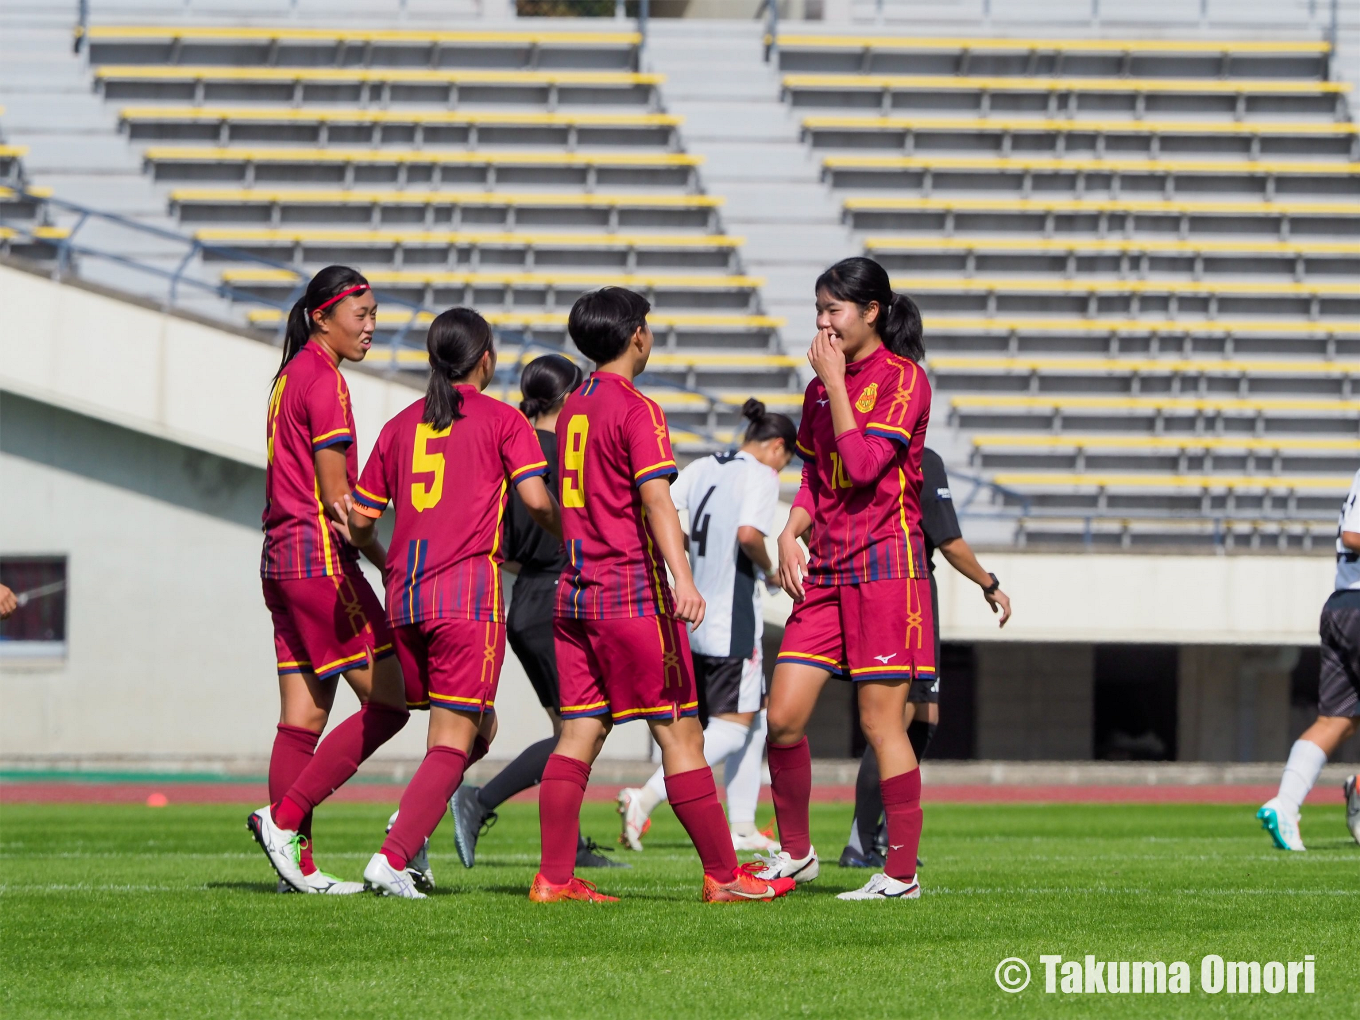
<point>536,551</point>
<point>938,520</point>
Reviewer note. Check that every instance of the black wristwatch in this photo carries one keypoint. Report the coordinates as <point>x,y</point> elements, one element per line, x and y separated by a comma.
<point>992,588</point>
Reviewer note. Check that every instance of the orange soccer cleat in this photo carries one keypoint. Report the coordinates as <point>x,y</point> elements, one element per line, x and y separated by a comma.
<point>745,886</point>
<point>543,891</point>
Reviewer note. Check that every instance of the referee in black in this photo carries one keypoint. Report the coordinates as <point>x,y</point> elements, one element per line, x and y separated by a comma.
<point>941,527</point>
<point>538,559</point>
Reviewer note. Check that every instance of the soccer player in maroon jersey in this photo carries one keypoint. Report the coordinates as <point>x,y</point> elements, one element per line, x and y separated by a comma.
<point>327,621</point>
<point>862,605</point>
<point>446,465</point>
<point>619,630</point>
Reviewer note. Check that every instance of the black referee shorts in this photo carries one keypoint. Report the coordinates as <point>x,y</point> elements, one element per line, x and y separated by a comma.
<point>927,692</point>
<point>529,629</point>
<point>1339,682</point>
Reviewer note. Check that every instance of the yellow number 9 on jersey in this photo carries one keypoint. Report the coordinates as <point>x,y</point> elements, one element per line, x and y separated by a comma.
<point>574,462</point>
<point>424,462</point>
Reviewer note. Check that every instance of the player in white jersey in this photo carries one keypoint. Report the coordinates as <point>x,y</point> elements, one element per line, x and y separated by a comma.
<point>1338,692</point>
<point>732,500</point>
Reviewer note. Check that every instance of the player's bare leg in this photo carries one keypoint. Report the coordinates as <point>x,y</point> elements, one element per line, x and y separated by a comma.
<point>1280,815</point>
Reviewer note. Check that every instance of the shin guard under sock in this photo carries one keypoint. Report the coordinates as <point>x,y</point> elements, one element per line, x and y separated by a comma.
<point>791,787</point>
<point>559,816</point>
<point>424,803</point>
<point>694,799</point>
<point>293,750</point>
<point>902,805</point>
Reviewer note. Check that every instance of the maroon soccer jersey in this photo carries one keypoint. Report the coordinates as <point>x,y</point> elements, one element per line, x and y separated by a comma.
<point>450,488</point>
<point>873,532</point>
<point>308,411</point>
<point>611,440</point>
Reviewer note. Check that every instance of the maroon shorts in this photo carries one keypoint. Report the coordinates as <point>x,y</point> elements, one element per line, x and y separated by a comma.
<point>451,663</point>
<point>877,630</point>
<point>326,625</point>
<point>638,667</point>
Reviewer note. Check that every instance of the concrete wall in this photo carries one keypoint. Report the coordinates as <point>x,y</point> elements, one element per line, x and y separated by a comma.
<point>1034,702</point>
<point>1233,703</point>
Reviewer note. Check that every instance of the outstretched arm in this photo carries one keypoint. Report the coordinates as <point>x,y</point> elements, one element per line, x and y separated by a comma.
<point>961,558</point>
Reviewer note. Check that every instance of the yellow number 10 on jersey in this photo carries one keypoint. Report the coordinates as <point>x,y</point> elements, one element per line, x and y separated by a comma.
<point>424,462</point>
<point>574,462</point>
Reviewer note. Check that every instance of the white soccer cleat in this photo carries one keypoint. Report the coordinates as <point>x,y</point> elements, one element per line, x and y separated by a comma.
<point>781,865</point>
<point>418,867</point>
<point>1352,807</point>
<point>882,887</point>
<point>320,882</point>
<point>386,880</point>
<point>635,820</point>
<point>1282,826</point>
<point>280,846</point>
<point>756,841</point>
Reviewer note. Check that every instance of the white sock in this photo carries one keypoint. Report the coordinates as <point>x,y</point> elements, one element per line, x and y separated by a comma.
<point>653,792</point>
<point>742,776</point>
<point>1300,773</point>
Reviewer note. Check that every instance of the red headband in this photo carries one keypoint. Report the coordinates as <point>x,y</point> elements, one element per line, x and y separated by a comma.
<point>342,294</point>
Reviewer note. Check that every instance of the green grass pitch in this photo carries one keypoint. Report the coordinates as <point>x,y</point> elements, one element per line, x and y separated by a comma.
<point>129,911</point>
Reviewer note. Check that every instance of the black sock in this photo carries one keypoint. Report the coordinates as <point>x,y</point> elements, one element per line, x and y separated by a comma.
<point>919,733</point>
<point>868,799</point>
<point>522,773</point>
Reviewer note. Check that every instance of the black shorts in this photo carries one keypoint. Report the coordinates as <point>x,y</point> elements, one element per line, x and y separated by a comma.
<point>529,629</point>
<point>1339,682</point>
<point>729,684</point>
<point>927,692</point>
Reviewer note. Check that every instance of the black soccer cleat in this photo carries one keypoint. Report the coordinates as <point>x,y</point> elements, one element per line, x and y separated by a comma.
<point>851,858</point>
<point>590,854</point>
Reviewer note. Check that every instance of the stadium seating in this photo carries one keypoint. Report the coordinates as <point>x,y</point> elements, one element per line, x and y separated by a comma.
<point>25,228</point>
<point>1136,261</point>
<point>509,170</point>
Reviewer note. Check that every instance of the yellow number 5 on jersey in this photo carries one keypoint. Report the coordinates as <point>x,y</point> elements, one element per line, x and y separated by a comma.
<point>574,462</point>
<point>424,462</point>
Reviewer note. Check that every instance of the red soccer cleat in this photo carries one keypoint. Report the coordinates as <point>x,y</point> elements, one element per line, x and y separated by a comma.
<point>543,891</point>
<point>745,887</point>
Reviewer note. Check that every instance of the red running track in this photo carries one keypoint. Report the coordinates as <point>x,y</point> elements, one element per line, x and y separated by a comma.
<point>74,792</point>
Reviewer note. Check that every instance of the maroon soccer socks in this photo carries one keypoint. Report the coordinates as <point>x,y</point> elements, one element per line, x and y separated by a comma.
<point>791,787</point>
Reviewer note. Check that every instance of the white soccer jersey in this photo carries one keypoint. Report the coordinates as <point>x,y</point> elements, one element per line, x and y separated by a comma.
<point>723,493</point>
<point>1347,560</point>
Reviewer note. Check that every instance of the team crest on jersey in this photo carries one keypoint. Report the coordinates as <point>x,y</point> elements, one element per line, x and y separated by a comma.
<point>867,399</point>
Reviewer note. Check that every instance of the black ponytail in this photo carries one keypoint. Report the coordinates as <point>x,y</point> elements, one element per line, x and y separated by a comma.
<point>862,282</point>
<point>545,383</point>
<point>767,425</point>
<point>325,287</point>
<point>456,342</point>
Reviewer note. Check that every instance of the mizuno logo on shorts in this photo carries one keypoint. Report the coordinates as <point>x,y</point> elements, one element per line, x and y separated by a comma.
<point>884,658</point>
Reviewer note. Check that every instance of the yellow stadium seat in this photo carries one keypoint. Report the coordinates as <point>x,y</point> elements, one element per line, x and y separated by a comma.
<point>1136,327</point>
<point>1118,245</point>
<point>1030,164</point>
<point>1049,285</point>
<point>527,319</point>
<point>1160,403</point>
<point>689,281</point>
<point>41,233</point>
<point>13,151</point>
<point>1149,366</point>
<point>1002,203</point>
<point>329,196</point>
<point>11,194</point>
<point>1001,440</point>
<point>172,33</point>
<point>1134,480</point>
<point>246,235</point>
<point>382,75</point>
<point>990,83</point>
<point>977,125</point>
<point>910,44</point>
<point>195,154</point>
<point>132,114</point>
